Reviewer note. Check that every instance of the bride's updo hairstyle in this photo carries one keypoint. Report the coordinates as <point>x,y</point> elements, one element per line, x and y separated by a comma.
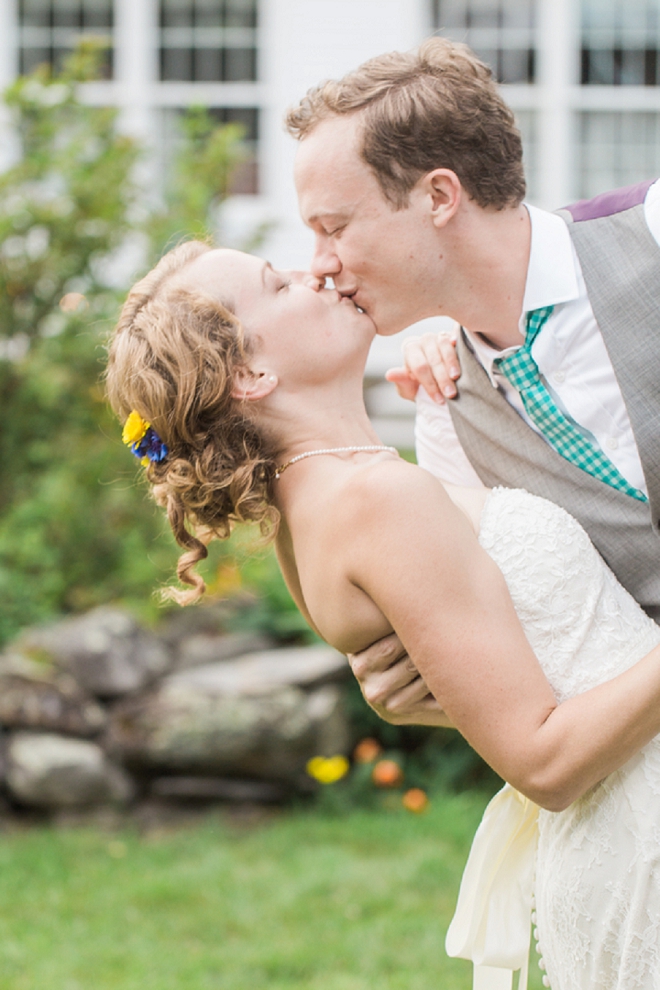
<point>172,358</point>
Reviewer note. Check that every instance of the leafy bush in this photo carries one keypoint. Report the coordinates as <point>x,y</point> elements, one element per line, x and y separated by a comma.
<point>75,526</point>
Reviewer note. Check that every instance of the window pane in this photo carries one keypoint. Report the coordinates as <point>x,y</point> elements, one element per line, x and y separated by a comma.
<point>208,65</point>
<point>620,42</point>
<point>59,57</point>
<point>50,29</point>
<point>518,15</point>
<point>97,13</point>
<point>516,66</point>
<point>176,64</point>
<point>617,149</point>
<point>34,13</point>
<point>483,14</point>
<point>247,116</point>
<point>219,35</point>
<point>240,64</point>
<point>240,13</point>
<point>32,57</point>
<point>246,178</point>
<point>501,32</point>
<point>176,13</point>
<point>208,13</point>
<point>67,13</point>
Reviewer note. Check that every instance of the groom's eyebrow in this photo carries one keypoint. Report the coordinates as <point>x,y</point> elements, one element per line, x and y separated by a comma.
<point>326,215</point>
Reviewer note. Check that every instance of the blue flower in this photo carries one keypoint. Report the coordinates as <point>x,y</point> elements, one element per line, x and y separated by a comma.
<point>150,447</point>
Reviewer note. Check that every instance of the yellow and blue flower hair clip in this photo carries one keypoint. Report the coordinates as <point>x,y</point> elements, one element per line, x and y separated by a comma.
<point>143,440</point>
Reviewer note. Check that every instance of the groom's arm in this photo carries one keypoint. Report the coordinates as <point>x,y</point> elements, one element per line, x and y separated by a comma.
<point>392,686</point>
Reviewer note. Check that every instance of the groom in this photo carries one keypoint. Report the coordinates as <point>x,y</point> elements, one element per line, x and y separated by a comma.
<point>409,172</point>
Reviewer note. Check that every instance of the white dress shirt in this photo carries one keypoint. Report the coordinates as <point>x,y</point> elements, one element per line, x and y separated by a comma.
<point>569,351</point>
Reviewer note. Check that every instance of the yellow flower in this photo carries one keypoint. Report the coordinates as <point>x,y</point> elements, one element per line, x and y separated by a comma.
<point>134,428</point>
<point>327,770</point>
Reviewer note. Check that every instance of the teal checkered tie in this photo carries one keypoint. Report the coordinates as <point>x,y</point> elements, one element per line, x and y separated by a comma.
<point>522,371</point>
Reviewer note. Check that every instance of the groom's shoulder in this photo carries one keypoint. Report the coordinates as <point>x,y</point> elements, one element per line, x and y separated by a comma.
<point>607,204</point>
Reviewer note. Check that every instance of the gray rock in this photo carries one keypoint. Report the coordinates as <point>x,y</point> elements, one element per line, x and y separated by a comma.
<point>37,696</point>
<point>204,648</point>
<point>106,651</point>
<point>261,673</point>
<point>48,770</point>
<point>261,717</point>
<point>56,705</point>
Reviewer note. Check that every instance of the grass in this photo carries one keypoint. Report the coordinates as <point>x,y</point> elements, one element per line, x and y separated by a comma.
<point>305,902</point>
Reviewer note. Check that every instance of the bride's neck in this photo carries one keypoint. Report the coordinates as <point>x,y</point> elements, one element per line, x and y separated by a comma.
<point>321,420</point>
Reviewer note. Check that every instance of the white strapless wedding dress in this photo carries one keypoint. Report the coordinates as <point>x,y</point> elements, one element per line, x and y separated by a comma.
<point>597,864</point>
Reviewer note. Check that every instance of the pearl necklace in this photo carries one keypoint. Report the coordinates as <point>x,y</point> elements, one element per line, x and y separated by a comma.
<point>331,450</point>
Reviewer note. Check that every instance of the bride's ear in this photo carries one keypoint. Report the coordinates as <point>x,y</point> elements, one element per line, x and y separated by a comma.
<point>250,386</point>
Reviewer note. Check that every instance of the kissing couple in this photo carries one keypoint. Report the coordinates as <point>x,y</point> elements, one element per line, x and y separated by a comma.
<point>510,586</point>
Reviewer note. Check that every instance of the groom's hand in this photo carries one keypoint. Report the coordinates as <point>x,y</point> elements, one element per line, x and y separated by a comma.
<point>430,361</point>
<point>392,686</point>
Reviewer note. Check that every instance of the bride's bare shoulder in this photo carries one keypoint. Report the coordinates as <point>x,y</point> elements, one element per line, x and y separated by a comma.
<point>392,485</point>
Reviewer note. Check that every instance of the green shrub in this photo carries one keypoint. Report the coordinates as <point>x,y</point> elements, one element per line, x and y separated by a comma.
<point>76,528</point>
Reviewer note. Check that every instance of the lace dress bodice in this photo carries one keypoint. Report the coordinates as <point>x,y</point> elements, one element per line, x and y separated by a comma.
<point>598,862</point>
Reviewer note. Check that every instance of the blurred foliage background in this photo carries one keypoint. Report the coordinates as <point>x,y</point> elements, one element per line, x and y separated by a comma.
<point>76,526</point>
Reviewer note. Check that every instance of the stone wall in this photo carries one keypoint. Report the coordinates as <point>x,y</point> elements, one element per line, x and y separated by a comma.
<point>98,710</point>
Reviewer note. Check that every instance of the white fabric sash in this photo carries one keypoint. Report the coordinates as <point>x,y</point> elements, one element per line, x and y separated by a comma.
<point>491,925</point>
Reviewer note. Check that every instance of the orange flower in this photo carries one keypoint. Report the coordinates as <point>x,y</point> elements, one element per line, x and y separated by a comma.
<point>387,773</point>
<point>415,800</point>
<point>367,750</point>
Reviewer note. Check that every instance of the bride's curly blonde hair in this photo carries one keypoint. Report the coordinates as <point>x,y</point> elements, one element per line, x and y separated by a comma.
<point>172,357</point>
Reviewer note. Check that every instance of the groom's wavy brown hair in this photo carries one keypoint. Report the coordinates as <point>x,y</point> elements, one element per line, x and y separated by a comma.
<point>438,107</point>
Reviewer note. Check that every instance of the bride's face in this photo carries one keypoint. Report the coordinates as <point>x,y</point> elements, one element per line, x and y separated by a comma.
<point>296,328</point>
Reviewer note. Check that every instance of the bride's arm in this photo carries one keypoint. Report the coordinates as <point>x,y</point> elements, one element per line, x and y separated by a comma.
<point>415,555</point>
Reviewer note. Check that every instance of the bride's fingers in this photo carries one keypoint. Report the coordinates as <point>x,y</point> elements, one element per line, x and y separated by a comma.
<point>379,688</point>
<point>410,696</point>
<point>431,360</point>
<point>378,657</point>
<point>405,384</point>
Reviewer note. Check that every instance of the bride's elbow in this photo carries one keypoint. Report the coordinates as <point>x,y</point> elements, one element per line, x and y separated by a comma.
<point>551,789</point>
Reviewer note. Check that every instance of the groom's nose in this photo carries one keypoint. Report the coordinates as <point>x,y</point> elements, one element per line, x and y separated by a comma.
<point>325,261</point>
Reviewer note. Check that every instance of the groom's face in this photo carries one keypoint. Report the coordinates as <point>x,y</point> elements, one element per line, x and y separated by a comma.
<point>384,259</point>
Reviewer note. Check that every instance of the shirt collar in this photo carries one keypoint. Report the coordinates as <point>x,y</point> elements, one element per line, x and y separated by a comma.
<point>551,274</point>
<point>552,277</point>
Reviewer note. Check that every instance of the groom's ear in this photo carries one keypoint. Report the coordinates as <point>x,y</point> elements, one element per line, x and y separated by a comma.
<point>249,386</point>
<point>444,189</point>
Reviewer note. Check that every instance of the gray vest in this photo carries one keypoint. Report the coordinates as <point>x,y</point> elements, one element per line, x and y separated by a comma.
<point>621,265</point>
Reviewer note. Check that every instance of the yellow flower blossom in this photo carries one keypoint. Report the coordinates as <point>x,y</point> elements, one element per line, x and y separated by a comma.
<point>328,770</point>
<point>134,428</point>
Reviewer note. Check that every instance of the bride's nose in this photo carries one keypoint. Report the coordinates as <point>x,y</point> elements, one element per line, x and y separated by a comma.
<point>306,278</point>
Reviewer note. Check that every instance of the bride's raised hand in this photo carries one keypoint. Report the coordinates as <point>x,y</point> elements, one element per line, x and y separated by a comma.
<point>393,687</point>
<point>430,361</point>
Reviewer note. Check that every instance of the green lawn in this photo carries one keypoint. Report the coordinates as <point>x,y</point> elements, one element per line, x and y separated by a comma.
<point>304,902</point>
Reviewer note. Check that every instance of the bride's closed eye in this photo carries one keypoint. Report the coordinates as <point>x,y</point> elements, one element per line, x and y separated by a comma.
<point>284,284</point>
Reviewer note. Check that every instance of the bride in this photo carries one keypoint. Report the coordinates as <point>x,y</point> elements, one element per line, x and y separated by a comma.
<point>242,391</point>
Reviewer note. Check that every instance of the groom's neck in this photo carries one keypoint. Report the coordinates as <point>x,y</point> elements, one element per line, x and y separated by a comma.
<point>490,261</point>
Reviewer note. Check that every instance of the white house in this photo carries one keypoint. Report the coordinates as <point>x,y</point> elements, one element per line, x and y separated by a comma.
<point>582,75</point>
